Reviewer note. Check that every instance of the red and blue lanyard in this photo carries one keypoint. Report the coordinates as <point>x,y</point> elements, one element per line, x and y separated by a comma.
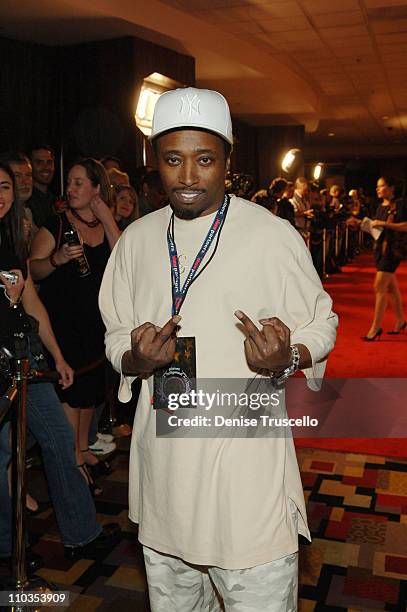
<point>178,293</point>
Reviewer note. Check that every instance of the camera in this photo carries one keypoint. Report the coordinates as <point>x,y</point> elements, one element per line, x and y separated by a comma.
<point>5,362</point>
<point>12,277</point>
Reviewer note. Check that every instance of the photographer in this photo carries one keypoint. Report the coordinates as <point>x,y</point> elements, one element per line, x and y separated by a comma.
<point>73,504</point>
<point>284,208</point>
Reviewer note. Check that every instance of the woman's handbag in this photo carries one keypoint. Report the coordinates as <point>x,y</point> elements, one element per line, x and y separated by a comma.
<point>26,340</point>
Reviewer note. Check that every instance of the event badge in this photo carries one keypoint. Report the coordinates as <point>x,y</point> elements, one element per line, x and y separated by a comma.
<point>179,377</point>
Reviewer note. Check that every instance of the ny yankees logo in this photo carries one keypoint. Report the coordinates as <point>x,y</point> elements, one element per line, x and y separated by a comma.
<point>190,105</point>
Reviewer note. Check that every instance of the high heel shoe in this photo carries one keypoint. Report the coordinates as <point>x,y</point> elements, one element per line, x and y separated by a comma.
<point>100,468</point>
<point>372,338</point>
<point>94,488</point>
<point>398,331</point>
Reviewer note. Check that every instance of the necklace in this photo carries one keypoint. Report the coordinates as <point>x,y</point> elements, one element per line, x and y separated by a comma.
<point>93,223</point>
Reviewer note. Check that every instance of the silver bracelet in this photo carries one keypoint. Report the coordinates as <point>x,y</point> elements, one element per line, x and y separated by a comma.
<point>289,370</point>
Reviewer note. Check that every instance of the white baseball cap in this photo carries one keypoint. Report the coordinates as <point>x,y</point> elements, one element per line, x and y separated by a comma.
<point>192,108</point>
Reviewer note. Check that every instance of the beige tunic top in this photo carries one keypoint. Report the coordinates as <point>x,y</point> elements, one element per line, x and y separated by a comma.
<point>232,502</point>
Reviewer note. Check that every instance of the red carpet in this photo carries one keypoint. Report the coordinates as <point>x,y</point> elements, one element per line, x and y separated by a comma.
<point>353,298</point>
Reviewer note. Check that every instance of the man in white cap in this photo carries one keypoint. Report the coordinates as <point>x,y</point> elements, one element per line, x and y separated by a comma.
<point>219,517</point>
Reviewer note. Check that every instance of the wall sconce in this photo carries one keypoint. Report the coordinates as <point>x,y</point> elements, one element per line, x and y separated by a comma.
<point>153,86</point>
<point>317,171</point>
<point>289,159</point>
<point>145,108</point>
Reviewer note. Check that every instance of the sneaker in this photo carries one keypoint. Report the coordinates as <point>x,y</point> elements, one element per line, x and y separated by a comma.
<point>105,437</point>
<point>102,448</point>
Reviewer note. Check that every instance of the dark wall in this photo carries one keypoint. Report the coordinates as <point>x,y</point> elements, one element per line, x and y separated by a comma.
<point>259,150</point>
<point>29,94</point>
<point>83,96</point>
<point>244,156</point>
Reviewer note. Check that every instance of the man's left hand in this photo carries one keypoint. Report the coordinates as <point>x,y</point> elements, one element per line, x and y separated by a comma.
<point>268,348</point>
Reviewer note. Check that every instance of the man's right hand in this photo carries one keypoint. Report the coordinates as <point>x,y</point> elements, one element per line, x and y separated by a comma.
<point>152,347</point>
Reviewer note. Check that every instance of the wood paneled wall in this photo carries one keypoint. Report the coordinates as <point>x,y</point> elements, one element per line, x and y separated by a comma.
<point>29,94</point>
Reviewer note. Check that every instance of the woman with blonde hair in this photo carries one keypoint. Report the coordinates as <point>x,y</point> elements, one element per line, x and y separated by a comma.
<point>125,205</point>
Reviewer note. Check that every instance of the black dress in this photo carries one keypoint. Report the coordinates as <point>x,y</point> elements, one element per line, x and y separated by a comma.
<point>72,305</point>
<point>386,260</point>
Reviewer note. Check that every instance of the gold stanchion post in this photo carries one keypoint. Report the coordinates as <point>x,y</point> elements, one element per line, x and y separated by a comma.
<point>20,428</point>
<point>336,241</point>
<point>22,593</point>
<point>347,241</point>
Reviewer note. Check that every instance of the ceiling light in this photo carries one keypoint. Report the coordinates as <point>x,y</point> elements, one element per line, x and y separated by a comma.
<point>331,134</point>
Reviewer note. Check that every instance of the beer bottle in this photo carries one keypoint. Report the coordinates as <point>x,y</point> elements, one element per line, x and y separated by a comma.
<point>73,238</point>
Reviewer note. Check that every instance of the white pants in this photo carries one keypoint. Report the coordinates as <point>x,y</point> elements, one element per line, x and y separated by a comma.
<point>177,586</point>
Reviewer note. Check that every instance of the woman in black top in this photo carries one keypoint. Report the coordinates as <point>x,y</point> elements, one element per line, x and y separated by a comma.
<point>13,258</point>
<point>391,215</point>
<point>11,228</point>
<point>72,299</point>
<point>14,304</point>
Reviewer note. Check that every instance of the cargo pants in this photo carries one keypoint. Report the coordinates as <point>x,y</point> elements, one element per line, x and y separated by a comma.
<point>177,586</point>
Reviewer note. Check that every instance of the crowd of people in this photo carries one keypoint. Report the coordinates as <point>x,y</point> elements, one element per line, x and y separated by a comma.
<point>59,248</point>
<point>330,221</point>
<point>324,217</point>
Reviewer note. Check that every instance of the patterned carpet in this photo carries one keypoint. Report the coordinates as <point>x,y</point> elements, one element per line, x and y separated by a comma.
<point>357,509</point>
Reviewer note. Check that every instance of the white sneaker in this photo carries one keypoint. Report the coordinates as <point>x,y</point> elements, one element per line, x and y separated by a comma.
<point>105,437</point>
<point>102,448</point>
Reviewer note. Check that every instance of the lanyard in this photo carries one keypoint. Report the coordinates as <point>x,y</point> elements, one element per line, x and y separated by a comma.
<point>178,293</point>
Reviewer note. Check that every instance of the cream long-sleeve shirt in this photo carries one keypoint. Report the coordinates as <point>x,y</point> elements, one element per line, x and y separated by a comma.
<point>230,502</point>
